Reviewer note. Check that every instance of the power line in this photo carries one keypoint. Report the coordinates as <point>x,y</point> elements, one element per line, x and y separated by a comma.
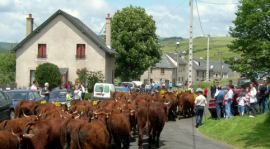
<point>213,3</point>
<point>102,29</point>
<point>199,18</point>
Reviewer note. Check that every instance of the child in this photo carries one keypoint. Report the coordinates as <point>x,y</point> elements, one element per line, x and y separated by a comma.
<point>241,104</point>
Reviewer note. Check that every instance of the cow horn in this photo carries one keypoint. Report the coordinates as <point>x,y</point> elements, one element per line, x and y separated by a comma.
<point>28,135</point>
<point>75,112</point>
<point>25,115</point>
<point>132,110</point>
<point>166,103</point>
<point>76,117</point>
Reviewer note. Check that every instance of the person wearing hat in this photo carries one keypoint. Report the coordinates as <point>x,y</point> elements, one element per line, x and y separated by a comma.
<point>200,102</point>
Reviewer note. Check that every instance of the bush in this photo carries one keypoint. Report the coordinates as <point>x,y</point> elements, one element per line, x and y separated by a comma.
<point>89,78</point>
<point>50,73</point>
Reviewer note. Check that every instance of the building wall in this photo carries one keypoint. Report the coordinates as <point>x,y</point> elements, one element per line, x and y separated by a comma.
<point>61,38</point>
<point>155,75</point>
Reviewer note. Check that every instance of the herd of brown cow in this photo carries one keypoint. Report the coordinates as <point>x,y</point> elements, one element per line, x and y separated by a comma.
<point>108,124</point>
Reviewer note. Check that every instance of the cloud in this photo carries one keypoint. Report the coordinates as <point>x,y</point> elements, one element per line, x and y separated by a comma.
<point>171,17</point>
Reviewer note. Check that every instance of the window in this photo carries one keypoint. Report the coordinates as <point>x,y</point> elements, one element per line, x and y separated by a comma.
<point>80,51</point>
<point>162,70</point>
<point>41,50</point>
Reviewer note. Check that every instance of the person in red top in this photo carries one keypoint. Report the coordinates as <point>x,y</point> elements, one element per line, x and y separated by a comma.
<point>205,91</point>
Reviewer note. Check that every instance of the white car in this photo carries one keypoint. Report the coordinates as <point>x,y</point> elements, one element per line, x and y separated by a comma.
<point>103,90</point>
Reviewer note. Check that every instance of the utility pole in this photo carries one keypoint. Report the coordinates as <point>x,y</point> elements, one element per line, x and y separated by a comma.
<point>190,43</point>
<point>207,63</point>
<point>177,65</point>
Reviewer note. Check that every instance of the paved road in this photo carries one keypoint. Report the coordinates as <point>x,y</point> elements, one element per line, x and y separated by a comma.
<point>182,135</point>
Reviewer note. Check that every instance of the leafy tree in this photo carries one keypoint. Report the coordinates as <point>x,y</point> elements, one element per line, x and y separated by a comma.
<point>134,38</point>
<point>92,78</point>
<point>252,37</point>
<point>89,78</point>
<point>7,68</point>
<point>50,73</point>
<point>82,75</point>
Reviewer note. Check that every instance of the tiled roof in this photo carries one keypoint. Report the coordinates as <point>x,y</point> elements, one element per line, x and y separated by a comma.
<point>165,62</point>
<point>77,23</point>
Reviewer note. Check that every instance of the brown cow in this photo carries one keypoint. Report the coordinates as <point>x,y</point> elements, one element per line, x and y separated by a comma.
<point>44,134</point>
<point>17,125</point>
<point>157,119</point>
<point>9,140</point>
<point>25,107</point>
<point>119,127</point>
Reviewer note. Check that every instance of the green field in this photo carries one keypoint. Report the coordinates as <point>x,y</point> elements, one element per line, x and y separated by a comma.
<point>218,46</point>
<point>241,132</point>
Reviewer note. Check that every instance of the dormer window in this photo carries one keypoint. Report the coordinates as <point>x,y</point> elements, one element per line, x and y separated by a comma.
<point>42,50</point>
<point>80,51</point>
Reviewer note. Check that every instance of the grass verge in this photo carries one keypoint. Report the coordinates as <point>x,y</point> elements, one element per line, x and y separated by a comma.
<point>241,132</point>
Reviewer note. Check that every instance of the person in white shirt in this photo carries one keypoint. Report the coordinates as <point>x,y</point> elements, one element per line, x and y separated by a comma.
<point>34,86</point>
<point>253,99</point>
<point>77,93</point>
<point>200,102</point>
<point>228,99</point>
<point>241,103</point>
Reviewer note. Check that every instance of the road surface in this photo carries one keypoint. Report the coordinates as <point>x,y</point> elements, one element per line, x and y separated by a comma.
<point>181,134</point>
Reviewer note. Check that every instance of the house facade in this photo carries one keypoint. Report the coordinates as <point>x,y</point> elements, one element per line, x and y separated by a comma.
<point>163,71</point>
<point>178,74</point>
<point>66,42</point>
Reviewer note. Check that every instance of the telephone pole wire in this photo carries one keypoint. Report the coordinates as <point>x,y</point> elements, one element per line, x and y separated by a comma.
<point>190,43</point>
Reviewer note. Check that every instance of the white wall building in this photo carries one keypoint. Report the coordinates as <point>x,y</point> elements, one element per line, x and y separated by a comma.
<point>66,42</point>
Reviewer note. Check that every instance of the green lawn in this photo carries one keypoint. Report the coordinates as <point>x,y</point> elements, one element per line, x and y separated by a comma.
<point>218,46</point>
<point>241,132</point>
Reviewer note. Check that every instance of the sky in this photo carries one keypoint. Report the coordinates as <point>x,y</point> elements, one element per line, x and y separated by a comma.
<point>171,16</point>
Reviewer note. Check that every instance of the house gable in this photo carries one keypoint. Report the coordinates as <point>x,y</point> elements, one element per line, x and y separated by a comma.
<point>77,23</point>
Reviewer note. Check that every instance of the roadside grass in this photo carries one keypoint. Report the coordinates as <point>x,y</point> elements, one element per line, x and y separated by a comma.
<point>241,132</point>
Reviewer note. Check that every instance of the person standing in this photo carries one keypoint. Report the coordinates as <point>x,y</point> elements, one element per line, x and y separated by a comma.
<point>77,93</point>
<point>219,100</point>
<point>228,99</point>
<point>263,95</point>
<point>82,88</point>
<point>34,86</point>
<point>241,103</point>
<point>213,89</point>
<point>253,99</point>
<point>45,92</point>
<point>200,102</point>
<point>147,88</point>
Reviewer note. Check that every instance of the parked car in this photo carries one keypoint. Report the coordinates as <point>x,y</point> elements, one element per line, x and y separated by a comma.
<point>120,89</point>
<point>58,97</point>
<point>103,90</point>
<point>19,95</point>
<point>5,104</point>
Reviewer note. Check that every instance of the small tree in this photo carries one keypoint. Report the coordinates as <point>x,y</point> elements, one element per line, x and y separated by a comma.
<point>7,68</point>
<point>50,73</point>
<point>82,76</point>
<point>92,78</point>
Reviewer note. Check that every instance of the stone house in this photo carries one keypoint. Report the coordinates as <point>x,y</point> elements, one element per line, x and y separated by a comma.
<point>168,63</point>
<point>163,71</point>
<point>66,42</point>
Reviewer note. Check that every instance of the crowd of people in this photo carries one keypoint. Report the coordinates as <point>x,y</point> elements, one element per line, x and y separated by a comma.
<point>249,100</point>
<point>76,91</point>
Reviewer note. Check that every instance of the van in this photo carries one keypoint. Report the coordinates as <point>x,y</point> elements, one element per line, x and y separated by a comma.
<point>103,90</point>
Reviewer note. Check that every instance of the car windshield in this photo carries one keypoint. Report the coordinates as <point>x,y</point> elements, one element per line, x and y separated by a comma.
<point>18,95</point>
<point>58,93</point>
<point>99,88</point>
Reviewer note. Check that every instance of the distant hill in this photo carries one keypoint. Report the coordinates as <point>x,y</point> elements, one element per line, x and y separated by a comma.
<point>5,46</point>
<point>218,46</point>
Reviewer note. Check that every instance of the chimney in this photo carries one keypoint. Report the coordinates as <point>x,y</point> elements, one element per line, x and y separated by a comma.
<point>108,30</point>
<point>29,24</point>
